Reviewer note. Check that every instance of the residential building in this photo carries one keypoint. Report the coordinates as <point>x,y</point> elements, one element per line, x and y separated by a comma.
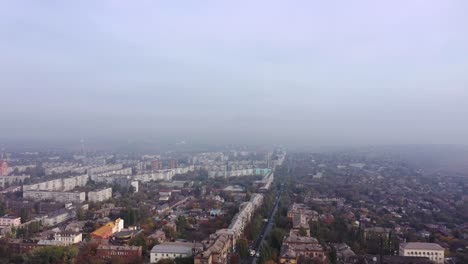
<point>126,254</point>
<point>432,251</point>
<point>9,221</point>
<point>68,237</point>
<point>295,247</point>
<point>12,179</point>
<point>215,249</point>
<point>58,217</point>
<point>22,246</point>
<point>100,195</point>
<point>173,164</point>
<point>64,184</point>
<point>64,197</point>
<point>156,165</point>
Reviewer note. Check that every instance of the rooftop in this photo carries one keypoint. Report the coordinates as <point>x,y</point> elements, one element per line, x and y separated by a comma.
<point>174,247</point>
<point>422,245</point>
<point>110,247</point>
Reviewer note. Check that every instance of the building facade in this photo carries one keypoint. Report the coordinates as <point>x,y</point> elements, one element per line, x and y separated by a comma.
<point>172,250</point>
<point>68,237</point>
<point>100,195</point>
<point>10,221</point>
<point>64,197</point>
<point>432,251</point>
<point>127,254</point>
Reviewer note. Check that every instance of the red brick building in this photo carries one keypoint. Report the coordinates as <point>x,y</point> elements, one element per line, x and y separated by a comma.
<point>128,254</point>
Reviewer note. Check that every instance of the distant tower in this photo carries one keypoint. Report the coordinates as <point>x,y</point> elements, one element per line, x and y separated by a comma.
<point>3,165</point>
<point>173,164</point>
<point>156,165</point>
<point>83,151</point>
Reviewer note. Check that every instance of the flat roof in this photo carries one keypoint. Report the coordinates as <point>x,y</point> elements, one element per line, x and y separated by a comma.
<point>422,245</point>
<point>174,247</point>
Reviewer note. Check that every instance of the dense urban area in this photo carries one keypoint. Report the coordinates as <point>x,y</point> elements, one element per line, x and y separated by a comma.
<point>235,205</point>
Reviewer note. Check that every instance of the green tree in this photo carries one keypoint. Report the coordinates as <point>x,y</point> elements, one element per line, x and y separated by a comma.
<point>53,255</point>
<point>275,238</point>
<point>302,231</point>
<point>333,258</point>
<point>24,214</point>
<point>242,247</point>
<point>188,260</point>
<point>140,240</point>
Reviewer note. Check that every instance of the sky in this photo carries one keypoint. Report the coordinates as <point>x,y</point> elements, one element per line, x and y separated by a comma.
<point>262,72</point>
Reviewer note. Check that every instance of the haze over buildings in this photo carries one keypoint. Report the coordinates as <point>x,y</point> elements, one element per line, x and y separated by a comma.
<point>266,72</point>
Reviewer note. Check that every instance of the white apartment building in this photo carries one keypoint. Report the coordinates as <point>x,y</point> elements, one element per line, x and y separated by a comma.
<point>100,195</point>
<point>9,221</point>
<point>58,217</point>
<point>64,197</point>
<point>68,237</point>
<point>65,184</point>
<point>105,168</point>
<point>12,179</point>
<point>432,251</point>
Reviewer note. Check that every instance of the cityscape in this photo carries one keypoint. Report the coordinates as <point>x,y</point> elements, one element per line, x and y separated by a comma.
<point>233,132</point>
<point>229,206</point>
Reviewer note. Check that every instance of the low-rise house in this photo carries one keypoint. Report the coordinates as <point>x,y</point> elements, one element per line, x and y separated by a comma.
<point>158,236</point>
<point>10,221</point>
<point>172,250</point>
<point>432,251</point>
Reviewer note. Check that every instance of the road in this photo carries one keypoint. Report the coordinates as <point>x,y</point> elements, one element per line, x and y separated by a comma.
<point>266,228</point>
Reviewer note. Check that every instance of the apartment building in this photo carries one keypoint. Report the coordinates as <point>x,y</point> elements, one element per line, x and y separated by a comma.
<point>64,197</point>
<point>100,195</point>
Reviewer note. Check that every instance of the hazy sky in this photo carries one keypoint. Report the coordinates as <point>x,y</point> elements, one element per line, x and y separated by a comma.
<point>319,72</point>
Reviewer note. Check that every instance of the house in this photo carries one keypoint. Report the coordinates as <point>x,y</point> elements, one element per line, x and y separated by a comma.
<point>158,236</point>
<point>9,221</point>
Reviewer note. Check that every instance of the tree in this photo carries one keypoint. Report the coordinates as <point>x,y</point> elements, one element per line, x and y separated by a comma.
<point>187,260</point>
<point>80,214</point>
<point>302,231</point>
<point>275,238</point>
<point>24,214</point>
<point>242,247</point>
<point>53,255</point>
<point>333,258</point>
<point>140,240</point>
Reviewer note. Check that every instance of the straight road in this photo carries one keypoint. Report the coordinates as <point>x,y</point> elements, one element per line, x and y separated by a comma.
<point>266,228</point>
